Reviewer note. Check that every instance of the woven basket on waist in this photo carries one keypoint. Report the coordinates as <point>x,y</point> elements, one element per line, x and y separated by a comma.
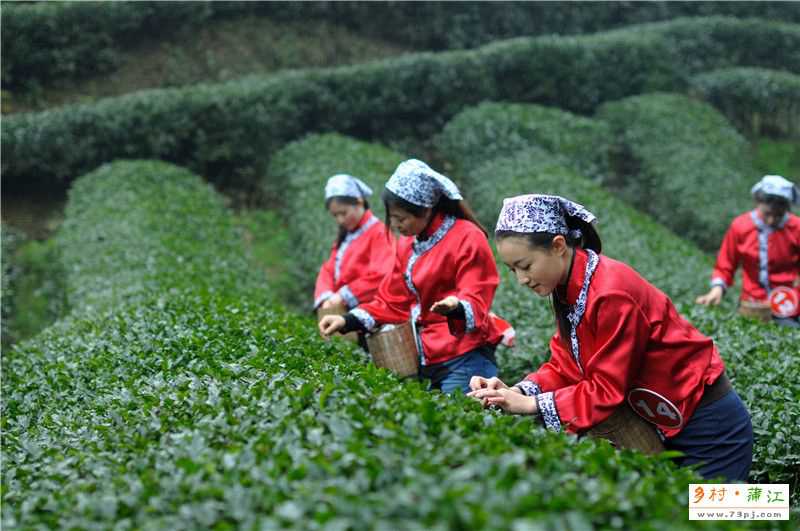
<point>625,429</point>
<point>338,309</point>
<point>394,348</point>
<point>756,309</point>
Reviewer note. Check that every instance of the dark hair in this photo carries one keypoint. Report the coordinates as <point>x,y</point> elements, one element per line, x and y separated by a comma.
<point>347,200</point>
<point>452,207</point>
<point>773,201</point>
<point>589,239</point>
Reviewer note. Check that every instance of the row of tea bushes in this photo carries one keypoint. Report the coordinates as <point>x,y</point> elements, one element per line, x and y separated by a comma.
<point>224,131</point>
<point>45,43</point>
<point>132,229</point>
<point>759,101</point>
<point>207,409</point>
<point>300,171</point>
<point>681,161</point>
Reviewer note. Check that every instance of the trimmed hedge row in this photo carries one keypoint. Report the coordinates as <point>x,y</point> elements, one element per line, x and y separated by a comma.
<point>226,131</point>
<point>682,162</point>
<point>43,43</point>
<point>128,234</point>
<point>757,100</point>
<point>301,170</point>
<point>493,130</point>
<point>203,409</point>
<point>670,263</point>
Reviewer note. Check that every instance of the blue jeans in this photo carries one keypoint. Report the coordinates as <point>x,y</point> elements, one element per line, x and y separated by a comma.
<point>454,375</point>
<point>718,437</point>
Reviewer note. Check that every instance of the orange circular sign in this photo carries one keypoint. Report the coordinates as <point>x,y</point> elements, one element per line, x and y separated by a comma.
<point>783,302</point>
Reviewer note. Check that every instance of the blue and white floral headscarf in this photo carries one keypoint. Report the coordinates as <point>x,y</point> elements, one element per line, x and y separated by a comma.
<point>343,185</point>
<point>777,185</point>
<point>541,213</point>
<point>415,182</point>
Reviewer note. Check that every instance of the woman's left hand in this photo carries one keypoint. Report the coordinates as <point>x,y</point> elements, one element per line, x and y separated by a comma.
<point>507,399</point>
<point>446,305</point>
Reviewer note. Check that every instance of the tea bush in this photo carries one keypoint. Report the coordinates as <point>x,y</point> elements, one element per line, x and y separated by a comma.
<point>225,131</point>
<point>49,42</point>
<point>757,100</point>
<point>681,161</point>
<point>130,223</point>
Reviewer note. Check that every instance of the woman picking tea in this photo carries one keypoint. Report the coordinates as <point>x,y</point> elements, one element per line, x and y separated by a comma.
<point>444,280</point>
<point>619,340</point>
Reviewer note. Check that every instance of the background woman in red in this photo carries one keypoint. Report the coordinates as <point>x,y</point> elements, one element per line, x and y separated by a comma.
<point>363,252</point>
<point>765,242</point>
<point>619,339</point>
<point>444,279</point>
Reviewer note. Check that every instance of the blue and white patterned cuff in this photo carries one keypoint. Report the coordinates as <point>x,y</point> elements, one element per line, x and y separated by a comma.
<point>325,295</point>
<point>348,297</point>
<point>716,281</point>
<point>528,388</point>
<point>548,411</point>
<point>365,318</point>
<point>469,316</point>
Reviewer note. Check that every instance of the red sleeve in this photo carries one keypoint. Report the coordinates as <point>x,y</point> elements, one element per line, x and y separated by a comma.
<point>550,375</point>
<point>727,260</point>
<point>379,263</point>
<point>324,286</point>
<point>622,332</point>
<point>393,301</point>
<point>476,282</point>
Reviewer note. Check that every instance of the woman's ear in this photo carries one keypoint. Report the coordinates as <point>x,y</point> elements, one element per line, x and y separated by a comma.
<point>559,245</point>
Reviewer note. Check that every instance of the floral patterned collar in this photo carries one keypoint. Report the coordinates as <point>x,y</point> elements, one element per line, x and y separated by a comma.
<point>433,226</point>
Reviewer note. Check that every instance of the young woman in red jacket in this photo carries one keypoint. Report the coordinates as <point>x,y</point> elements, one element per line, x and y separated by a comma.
<point>443,279</point>
<point>765,242</point>
<point>361,255</point>
<point>619,339</point>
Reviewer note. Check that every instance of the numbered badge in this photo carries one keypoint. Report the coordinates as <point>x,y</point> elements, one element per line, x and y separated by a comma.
<point>783,302</point>
<point>655,408</point>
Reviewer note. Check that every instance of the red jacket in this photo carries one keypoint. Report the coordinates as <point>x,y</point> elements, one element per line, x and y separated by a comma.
<point>630,337</point>
<point>741,247</point>
<point>357,266</point>
<point>453,259</point>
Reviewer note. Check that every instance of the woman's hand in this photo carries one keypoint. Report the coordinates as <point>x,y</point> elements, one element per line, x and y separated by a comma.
<point>330,324</point>
<point>446,305</point>
<point>508,399</point>
<point>713,297</point>
<point>333,300</point>
<point>479,382</point>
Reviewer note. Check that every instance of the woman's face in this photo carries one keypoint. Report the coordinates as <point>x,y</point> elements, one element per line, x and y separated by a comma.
<point>346,216</point>
<point>407,223</point>
<point>536,268</point>
<point>772,214</point>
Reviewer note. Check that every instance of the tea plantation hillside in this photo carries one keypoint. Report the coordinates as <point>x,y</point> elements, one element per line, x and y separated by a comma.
<point>201,407</point>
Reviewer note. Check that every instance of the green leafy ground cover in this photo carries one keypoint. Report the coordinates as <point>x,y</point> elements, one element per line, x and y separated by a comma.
<point>210,409</point>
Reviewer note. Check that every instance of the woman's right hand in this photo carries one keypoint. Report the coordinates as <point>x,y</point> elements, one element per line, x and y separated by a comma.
<point>330,324</point>
<point>479,382</point>
<point>713,297</point>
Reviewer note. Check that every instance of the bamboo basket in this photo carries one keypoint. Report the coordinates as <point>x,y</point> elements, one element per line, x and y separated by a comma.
<point>339,309</point>
<point>756,310</point>
<point>395,348</point>
<point>625,429</point>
